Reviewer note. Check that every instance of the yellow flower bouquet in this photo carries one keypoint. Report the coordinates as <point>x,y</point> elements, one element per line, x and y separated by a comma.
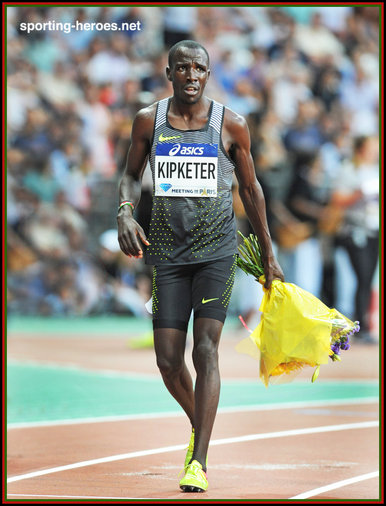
<point>296,328</point>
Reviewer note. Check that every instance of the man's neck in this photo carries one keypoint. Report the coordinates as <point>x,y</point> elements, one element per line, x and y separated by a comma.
<point>189,116</point>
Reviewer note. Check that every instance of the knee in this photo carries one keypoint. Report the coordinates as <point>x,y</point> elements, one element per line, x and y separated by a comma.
<point>169,366</point>
<point>205,355</point>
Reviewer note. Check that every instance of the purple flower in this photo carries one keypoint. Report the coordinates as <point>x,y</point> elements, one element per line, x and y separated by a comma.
<point>345,345</point>
<point>336,348</point>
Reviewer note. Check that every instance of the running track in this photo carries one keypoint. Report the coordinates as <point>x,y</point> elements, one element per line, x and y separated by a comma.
<point>90,419</point>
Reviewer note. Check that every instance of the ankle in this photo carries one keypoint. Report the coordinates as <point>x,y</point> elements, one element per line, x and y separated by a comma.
<point>201,461</point>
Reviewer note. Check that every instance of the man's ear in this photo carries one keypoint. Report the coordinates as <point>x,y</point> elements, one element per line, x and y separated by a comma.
<point>168,74</point>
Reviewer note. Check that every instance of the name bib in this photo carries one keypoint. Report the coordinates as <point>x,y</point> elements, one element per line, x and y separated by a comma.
<point>186,170</point>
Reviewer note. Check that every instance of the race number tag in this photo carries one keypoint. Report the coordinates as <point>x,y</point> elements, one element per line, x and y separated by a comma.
<point>186,170</point>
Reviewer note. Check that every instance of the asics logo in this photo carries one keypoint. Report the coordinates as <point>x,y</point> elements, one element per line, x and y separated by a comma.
<point>186,150</point>
<point>175,149</point>
<point>161,138</point>
<point>204,301</point>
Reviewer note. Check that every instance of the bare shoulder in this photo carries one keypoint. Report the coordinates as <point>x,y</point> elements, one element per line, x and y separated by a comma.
<point>144,121</point>
<point>233,121</point>
<point>147,114</point>
<point>236,128</point>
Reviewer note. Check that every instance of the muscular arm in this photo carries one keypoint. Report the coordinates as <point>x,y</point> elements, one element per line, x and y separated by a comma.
<point>239,144</point>
<point>130,233</point>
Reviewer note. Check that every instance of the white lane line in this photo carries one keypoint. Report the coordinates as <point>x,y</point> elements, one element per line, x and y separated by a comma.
<point>305,495</point>
<point>216,442</point>
<point>296,432</point>
<point>83,497</point>
<point>172,414</point>
<point>338,484</point>
<point>103,460</point>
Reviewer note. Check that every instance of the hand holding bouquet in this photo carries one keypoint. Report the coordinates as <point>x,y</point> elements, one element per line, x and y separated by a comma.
<point>296,328</point>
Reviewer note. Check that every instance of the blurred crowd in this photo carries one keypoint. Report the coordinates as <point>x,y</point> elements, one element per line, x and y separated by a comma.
<point>307,80</point>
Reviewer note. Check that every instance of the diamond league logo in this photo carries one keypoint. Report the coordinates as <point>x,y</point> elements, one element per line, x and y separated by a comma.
<point>165,186</point>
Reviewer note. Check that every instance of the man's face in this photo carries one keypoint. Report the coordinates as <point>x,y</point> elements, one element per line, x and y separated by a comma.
<point>189,74</point>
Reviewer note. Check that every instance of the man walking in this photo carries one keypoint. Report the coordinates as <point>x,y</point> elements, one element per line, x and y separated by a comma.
<point>194,145</point>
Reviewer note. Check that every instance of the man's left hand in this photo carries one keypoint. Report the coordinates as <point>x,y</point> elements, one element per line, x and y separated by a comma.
<point>272,270</point>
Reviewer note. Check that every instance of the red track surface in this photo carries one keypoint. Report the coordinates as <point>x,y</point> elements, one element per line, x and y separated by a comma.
<point>275,468</point>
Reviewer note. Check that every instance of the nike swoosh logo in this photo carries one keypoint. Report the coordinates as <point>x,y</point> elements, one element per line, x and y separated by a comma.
<point>161,138</point>
<point>204,301</point>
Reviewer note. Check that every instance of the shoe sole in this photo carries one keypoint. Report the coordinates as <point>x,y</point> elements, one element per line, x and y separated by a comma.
<point>191,488</point>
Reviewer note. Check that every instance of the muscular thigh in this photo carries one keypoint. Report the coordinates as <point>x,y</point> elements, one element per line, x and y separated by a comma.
<point>172,300</point>
<point>212,288</point>
<point>204,287</point>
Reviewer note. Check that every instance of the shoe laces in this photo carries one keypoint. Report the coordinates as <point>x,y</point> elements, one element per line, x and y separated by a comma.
<point>196,466</point>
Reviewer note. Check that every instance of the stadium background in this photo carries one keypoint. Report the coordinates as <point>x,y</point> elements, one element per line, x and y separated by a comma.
<point>307,80</point>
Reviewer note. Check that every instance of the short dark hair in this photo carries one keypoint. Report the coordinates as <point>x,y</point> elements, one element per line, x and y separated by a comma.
<point>359,142</point>
<point>190,44</point>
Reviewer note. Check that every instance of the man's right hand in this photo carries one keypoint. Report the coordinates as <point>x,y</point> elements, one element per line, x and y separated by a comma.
<point>130,236</point>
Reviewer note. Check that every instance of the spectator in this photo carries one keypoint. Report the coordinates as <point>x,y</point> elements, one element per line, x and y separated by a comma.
<point>34,138</point>
<point>288,86</point>
<point>274,170</point>
<point>179,24</point>
<point>59,87</point>
<point>130,291</point>
<point>304,138</point>
<point>317,41</point>
<point>42,182</point>
<point>327,85</point>
<point>96,119</point>
<point>156,81</point>
<point>335,18</point>
<point>244,100</point>
<point>357,194</point>
<point>112,57</point>
<point>307,201</point>
<point>360,97</point>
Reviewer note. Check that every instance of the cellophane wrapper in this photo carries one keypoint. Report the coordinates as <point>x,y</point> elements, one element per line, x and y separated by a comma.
<point>296,330</point>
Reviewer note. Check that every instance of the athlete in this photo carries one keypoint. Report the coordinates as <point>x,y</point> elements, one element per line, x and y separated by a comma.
<point>194,145</point>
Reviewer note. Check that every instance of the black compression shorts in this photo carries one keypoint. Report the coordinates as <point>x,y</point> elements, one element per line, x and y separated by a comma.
<point>205,288</point>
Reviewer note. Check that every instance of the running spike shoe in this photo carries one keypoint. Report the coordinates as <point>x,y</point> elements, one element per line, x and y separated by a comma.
<point>195,479</point>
